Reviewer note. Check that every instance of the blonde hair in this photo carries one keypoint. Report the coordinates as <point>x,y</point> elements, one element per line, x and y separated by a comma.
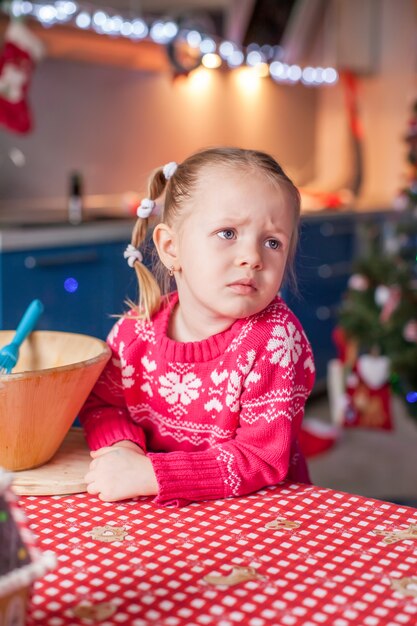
<point>180,187</point>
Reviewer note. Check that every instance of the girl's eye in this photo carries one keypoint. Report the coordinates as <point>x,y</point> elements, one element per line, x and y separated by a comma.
<point>228,233</point>
<point>274,244</point>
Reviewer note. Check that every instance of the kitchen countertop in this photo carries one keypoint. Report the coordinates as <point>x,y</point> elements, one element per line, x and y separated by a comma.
<point>14,237</point>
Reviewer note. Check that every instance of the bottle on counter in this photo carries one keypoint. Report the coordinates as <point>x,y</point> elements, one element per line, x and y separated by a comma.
<point>75,199</point>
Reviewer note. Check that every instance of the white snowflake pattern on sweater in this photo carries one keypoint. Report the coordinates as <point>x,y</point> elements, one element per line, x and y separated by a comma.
<point>181,388</point>
<point>285,344</point>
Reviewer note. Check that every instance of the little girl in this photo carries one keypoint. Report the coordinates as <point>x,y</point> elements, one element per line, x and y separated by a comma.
<point>204,395</point>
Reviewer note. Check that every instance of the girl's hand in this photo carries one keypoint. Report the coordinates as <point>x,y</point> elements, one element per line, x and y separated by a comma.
<point>119,472</point>
<point>126,443</point>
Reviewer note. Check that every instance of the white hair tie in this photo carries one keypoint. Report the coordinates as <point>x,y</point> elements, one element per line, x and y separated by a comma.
<point>169,169</point>
<point>132,254</point>
<point>146,208</point>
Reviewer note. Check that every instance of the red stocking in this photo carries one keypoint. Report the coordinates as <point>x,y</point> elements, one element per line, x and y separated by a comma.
<point>17,60</point>
<point>368,394</point>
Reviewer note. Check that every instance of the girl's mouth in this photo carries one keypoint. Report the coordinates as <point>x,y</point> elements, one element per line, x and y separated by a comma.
<point>243,287</point>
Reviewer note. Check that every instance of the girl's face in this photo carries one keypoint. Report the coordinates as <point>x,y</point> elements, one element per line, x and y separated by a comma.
<point>231,246</point>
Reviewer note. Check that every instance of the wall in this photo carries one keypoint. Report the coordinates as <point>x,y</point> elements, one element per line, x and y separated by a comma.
<point>115,125</point>
<point>385,96</point>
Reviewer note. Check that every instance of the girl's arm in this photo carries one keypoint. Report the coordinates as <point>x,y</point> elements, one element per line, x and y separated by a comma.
<point>271,410</point>
<point>104,416</point>
<point>119,468</point>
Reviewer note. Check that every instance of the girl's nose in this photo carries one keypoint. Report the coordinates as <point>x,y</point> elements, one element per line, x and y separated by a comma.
<point>249,258</point>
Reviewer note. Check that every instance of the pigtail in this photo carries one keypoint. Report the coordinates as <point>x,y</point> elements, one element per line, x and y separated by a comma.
<point>149,290</point>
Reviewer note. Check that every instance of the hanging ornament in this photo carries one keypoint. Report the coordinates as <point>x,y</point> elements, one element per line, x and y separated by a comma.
<point>410,331</point>
<point>391,304</point>
<point>382,294</point>
<point>358,282</point>
<point>22,49</point>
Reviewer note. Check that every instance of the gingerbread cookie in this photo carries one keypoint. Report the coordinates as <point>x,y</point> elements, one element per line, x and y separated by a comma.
<point>238,575</point>
<point>281,523</point>
<point>392,536</point>
<point>406,586</point>
<point>108,533</point>
<point>94,612</point>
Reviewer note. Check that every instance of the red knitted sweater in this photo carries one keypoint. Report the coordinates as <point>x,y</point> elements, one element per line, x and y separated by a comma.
<point>218,417</point>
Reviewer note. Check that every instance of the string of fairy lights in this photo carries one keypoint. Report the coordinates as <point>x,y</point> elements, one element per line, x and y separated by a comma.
<point>211,52</point>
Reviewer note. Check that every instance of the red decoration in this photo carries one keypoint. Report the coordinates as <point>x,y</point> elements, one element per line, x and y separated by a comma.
<point>393,300</point>
<point>317,437</point>
<point>368,394</point>
<point>410,331</point>
<point>17,61</point>
<point>347,349</point>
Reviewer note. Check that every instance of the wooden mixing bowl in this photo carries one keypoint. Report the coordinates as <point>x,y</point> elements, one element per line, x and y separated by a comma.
<point>41,398</point>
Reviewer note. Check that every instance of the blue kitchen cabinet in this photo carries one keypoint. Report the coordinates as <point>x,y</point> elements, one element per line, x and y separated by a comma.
<point>323,265</point>
<point>81,286</point>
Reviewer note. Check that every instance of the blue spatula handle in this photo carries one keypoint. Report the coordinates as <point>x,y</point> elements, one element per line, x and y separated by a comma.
<point>28,321</point>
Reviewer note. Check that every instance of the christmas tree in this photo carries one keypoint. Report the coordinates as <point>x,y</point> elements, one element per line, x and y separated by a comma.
<point>379,309</point>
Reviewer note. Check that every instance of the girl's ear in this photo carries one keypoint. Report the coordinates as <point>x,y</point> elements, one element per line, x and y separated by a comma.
<point>164,240</point>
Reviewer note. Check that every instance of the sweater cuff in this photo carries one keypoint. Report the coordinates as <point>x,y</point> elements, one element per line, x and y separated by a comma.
<point>185,477</point>
<point>101,432</point>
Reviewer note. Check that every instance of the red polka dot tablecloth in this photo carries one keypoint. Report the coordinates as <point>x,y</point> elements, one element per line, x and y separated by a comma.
<point>289,555</point>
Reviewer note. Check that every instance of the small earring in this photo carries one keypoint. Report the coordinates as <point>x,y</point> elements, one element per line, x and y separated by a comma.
<point>171,270</point>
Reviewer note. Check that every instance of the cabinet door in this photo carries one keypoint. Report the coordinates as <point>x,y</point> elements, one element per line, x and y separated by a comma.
<point>323,266</point>
<point>81,287</point>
